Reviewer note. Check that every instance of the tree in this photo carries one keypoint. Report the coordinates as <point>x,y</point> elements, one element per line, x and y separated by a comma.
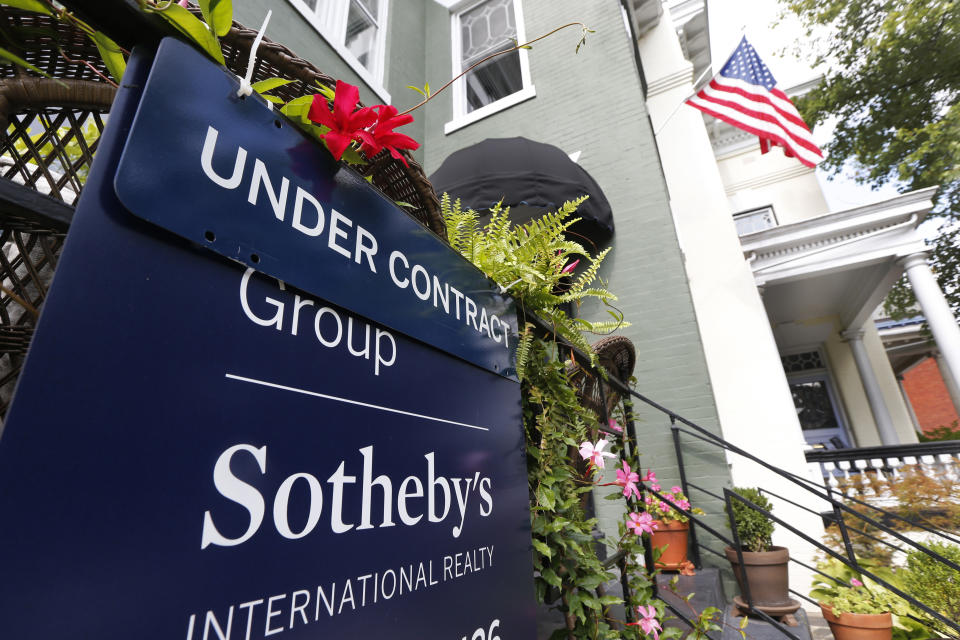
<point>892,82</point>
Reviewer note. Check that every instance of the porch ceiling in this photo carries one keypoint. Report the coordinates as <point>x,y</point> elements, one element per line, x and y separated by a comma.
<point>840,265</point>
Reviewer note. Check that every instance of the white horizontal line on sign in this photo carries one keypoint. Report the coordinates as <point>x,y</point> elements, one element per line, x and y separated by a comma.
<point>316,394</point>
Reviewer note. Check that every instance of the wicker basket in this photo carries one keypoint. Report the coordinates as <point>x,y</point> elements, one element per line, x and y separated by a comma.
<point>52,127</point>
<point>617,355</point>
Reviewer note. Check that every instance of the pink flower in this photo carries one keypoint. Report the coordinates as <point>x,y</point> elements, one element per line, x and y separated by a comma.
<point>650,477</point>
<point>683,504</point>
<point>648,621</point>
<point>640,523</point>
<point>648,499</point>
<point>654,486</point>
<point>856,582</point>
<point>676,490</point>
<point>628,480</point>
<point>595,453</point>
<point>345,121</point>
<point>571,266</point>
<point>613,425</point>
<point>184,3</point>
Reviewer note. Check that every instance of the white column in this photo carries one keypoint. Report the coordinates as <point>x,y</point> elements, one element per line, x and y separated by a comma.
<point>935,309</point>
<point>949,381</point>
<point>881,415</point>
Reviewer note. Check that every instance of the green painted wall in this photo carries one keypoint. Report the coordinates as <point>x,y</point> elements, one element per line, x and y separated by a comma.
<point>592,102</point>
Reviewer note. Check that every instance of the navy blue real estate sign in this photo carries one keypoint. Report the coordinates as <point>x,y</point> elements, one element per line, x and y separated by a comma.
<point>242,181</point>
<point>199,450</point>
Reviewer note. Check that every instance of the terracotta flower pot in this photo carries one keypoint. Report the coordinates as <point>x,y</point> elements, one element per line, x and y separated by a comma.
<point>767,575</point>
<point>859,626</point>
<point>673,535</point>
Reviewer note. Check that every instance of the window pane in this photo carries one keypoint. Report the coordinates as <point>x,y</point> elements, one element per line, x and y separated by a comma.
<point>755,221</point>
<point>493,80</point>
<point>372,6</point>
<point>486,29</point>
<point>361,38</point>
<point>814,409</point>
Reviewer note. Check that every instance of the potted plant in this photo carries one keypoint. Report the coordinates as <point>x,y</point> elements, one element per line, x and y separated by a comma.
<point>858,610</point>
<point>672,526</point>
<point>765,565</point>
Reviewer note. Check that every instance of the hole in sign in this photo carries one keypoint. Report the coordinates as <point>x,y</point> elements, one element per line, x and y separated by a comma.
<point>209,235</point>
<point>254,258</point>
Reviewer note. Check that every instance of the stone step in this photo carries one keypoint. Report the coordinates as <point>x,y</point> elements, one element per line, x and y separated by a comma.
<point>706,587</point>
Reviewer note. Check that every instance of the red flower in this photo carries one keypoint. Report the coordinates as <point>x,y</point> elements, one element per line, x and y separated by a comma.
<point>346,123</point>
<point>382,135</point>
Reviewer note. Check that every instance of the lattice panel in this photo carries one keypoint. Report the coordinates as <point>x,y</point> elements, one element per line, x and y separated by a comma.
<point>51,150</point>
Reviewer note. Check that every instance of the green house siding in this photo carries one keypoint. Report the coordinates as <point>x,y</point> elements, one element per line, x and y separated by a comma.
<point>592,102</point>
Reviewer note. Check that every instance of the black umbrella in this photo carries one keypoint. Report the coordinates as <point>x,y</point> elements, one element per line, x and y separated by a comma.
<point>529,177</point>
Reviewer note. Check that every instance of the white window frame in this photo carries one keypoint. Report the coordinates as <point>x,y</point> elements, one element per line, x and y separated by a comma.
<point>330,21</point>
<point>461,117</point>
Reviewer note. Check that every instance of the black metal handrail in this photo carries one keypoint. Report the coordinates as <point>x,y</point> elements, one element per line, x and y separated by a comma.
<point>826,494</point>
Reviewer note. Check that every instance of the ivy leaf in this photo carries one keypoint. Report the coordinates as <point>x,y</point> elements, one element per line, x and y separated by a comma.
<point>218,14</point>
<point>111,53</point>
<point>269,84</point>
<point>190,26</point>
<point>273,99</point>
<point>29,5</point>
<point>401,203</point>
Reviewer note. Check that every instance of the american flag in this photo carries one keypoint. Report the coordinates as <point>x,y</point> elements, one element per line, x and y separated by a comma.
<point>745,95</point>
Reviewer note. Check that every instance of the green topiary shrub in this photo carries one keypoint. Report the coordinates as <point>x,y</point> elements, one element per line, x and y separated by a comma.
<point>753,527</point>
<point>933,583</point>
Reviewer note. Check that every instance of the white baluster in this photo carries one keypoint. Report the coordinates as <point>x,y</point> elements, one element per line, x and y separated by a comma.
<point>894,464</point>
<point>829,475</point>
<point>878,465</point>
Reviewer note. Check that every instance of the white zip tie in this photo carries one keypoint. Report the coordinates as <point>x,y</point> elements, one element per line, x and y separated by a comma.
<point>245,88</point>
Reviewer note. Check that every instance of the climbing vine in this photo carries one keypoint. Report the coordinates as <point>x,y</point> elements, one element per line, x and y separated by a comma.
<point>565,450</point>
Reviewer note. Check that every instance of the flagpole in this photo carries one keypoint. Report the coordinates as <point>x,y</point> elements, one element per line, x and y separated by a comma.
<point>743,34</point>
<point>682,102</point>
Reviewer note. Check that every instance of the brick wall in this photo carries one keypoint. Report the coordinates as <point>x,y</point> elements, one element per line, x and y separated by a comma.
<point>928,395</point>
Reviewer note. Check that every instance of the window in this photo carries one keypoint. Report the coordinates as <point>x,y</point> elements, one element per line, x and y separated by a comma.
<point>755,220</point>
<point>818,411</point>
<point>357,30</point>
<point>478,31</point>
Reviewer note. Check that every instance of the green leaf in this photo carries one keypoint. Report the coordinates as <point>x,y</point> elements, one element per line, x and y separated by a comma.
<point>269,84</point>
<point>352,156</point>
<point>551,577</point>
<point>401,203</point>
<point>546,497</point>
<point>417,89</point>
<point>542,547</point>
<point>325,91</point>
<point>28,5</point>
<point>273,99</point>
<point>218,14</point>
<point>111,53</point>
<point>190,26</point>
